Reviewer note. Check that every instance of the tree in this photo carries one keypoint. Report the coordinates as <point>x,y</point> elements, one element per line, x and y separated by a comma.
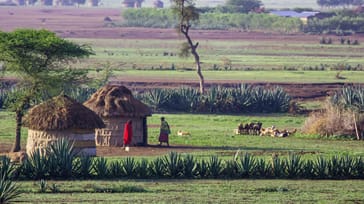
<point>40,60</point>
<point>187,13</point>
<point>243,6</point>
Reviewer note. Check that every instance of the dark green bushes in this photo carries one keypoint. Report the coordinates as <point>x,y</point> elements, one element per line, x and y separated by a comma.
<point>241,99</point>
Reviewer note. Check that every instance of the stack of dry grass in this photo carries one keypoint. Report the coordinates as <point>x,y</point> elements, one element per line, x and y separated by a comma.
<point>335,120</point>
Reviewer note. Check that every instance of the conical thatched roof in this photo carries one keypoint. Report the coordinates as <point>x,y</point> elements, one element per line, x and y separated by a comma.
<point>61,113</point>
<point>116,101</point>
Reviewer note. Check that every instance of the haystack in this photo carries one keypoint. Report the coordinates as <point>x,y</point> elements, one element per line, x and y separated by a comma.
<point>62,117</point>
<point>116,105</point>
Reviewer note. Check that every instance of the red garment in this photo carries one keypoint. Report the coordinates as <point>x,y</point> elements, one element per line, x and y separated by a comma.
<point>163,137</point>
<point>128,133</point>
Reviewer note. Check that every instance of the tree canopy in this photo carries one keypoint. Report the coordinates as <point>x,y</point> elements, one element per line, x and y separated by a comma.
<point>40,59</point>
<point>243,6</point>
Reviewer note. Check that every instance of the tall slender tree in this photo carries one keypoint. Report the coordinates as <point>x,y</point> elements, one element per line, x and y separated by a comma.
<point>188,13</point>
<point>41,60</point>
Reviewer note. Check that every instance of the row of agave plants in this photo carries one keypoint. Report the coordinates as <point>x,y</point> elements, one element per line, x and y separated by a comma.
<point>62,163</point>
<point>241,99</point>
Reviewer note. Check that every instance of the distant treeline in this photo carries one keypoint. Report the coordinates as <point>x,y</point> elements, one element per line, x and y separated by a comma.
<point>164,18</point>
<point>340,22</point>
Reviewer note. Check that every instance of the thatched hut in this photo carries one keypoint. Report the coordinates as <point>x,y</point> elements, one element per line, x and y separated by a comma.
<point>62,117</point>
<point>116,105</point>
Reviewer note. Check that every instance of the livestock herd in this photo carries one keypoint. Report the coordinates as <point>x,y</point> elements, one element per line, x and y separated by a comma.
<point>255,128</point>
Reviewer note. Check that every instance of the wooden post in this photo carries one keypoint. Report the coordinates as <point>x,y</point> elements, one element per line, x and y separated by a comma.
<point>356,128</point>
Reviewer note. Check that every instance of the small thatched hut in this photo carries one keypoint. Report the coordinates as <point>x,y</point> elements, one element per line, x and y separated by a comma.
<point>62,117</point>
<point>116,105</point>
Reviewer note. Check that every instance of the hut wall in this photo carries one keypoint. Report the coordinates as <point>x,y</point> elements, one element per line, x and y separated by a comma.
<point>112,134</point>
<point>84,141</point>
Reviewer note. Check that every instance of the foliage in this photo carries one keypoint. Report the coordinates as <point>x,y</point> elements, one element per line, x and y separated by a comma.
<point>340,116</point>
<point>162,18</point>
<point>61,155</point>
<point>40,59</point>
<point>174,165</point>
<point>36,166</point>
<point>219,100</point>
<point>100,167</point>
<point>243,6</point>
<point>82,166</point>
<point>8,189</point>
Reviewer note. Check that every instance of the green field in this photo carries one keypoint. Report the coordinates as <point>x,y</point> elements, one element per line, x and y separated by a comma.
<point>241,55</point>
<point>197,191</point>
<point>271,4</point>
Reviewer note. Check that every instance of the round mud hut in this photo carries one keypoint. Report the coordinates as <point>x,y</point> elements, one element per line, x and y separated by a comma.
<point>116,105</point>
<point>62,117</point>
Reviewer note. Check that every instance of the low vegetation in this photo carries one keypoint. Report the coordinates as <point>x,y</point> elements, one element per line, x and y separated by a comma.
<point>342,115</point>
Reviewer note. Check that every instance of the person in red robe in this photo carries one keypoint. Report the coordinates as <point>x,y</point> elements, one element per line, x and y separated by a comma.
<point>128,134</point>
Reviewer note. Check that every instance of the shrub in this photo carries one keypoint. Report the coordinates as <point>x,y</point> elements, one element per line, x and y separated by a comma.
<point>8,189</point>
<point>61,155</point>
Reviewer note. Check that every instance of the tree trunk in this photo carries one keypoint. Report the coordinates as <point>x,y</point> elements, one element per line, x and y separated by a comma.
<point>19,116</point>
<point>184,30</point>
<point>199,72</point>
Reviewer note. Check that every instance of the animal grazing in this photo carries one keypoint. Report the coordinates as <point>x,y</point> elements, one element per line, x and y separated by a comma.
<point>273,132</point>
<point>183,133</point>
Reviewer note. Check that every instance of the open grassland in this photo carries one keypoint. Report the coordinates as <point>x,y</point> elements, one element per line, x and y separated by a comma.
<point>213,135</point>
<point>256,54</point>
<point>196,191</point>
<point>270,4</point>
<point>243,76</point>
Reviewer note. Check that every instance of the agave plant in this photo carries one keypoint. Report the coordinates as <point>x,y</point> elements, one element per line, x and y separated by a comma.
<point>157,168</point>
<point>246,166</point>
<point>189,166</point>
<point>321,168</point>
<point>8,190</point>
<point>100,167</point>
<point>347,167</point>
<point>61,155</point>
<point>36,166</point>
<point>262,168</point>
<point>83,166</point>
<point>142,169</point>
<point>202,169</point>
<point>294,166</point>
<point>174,165</point>
<point>230,170</point>
<point>335,167</point>
<point>129,167</point>
<point>116,169</point>
<point>359,167</point>
<point>277,167</point>
<point>214,167</point>
<point>308,169</point>
<point>6,168</point>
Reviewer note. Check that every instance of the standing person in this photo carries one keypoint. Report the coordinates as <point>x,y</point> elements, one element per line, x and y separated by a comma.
<point>164,132</point>
<point>128,134</point>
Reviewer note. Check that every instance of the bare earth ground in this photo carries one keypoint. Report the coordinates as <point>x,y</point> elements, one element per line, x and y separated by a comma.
<point>89,23</point>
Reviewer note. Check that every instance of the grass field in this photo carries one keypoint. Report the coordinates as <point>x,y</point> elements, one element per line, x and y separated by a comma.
<point>275,4</point>
<point>196,191</point>
<point>216,54</point>
<point>248,76</point>
<point>215,132</point>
